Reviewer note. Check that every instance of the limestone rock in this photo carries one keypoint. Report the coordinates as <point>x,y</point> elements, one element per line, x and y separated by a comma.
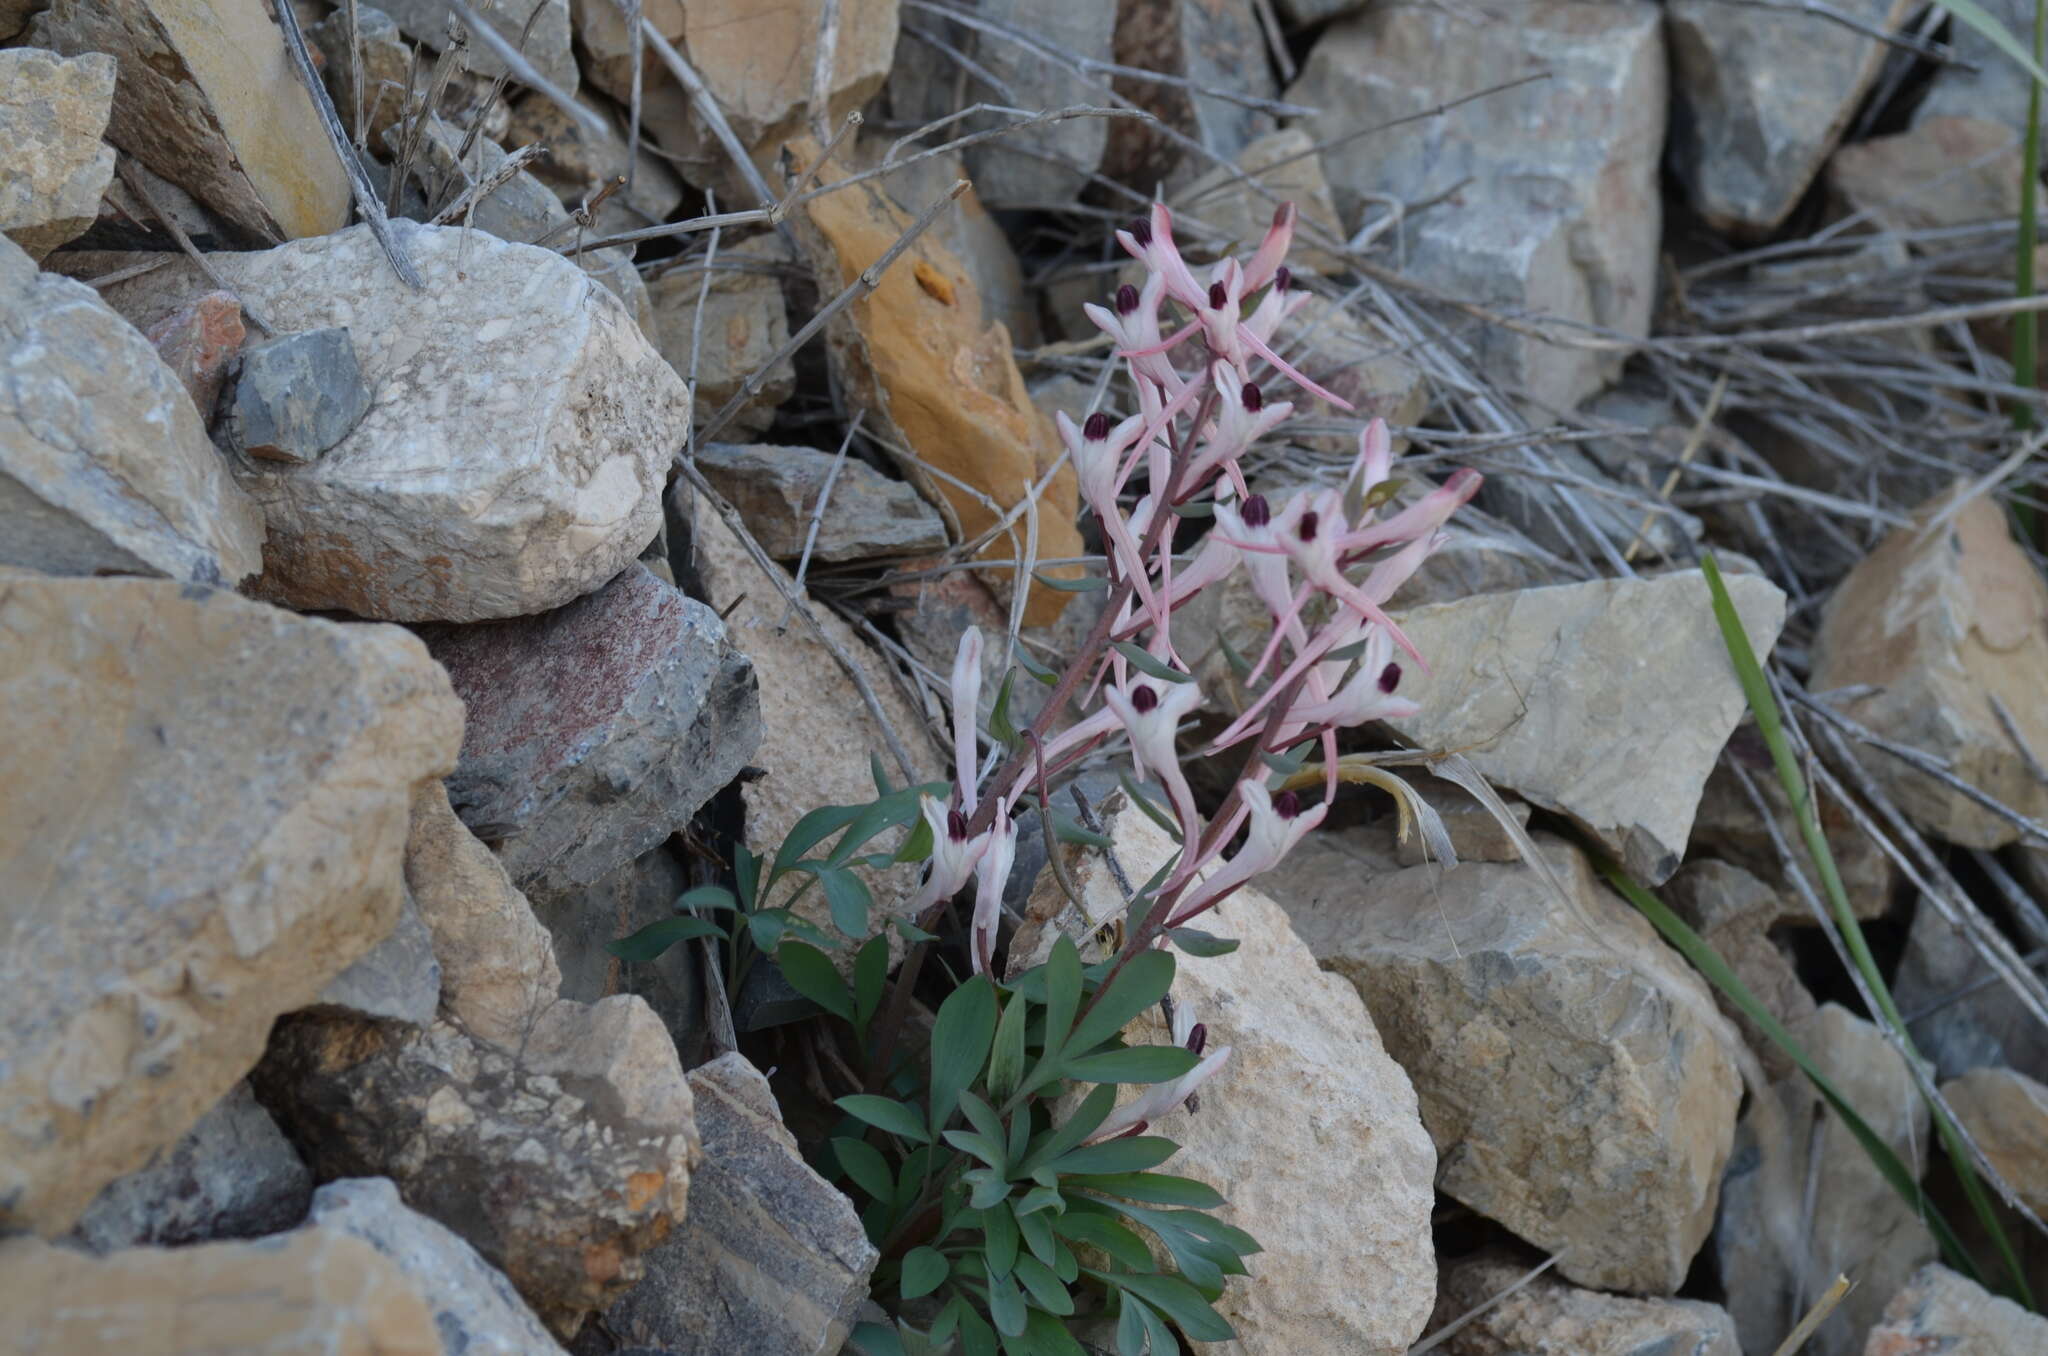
<point>596,730</point>
<point>1732,910</point>
<point>1939,1311</point>
<point>1354,356</point>
<point>1531,685</point>
<point>1572,1071</point>
<point>1760,97</point>
<point>1559,211</point>
<point>562,1161</point>
<point>1944,622</point>
<point>386,67</point>
<point>744,324</point>
<point>579,162</point>
<point>1548,1318</point>
<point>313,1292</point>
<point>546,46</point>
<point>398,979</point>
<point>460,496</point>
<point>197,342</point>
<point>1773,1263</point>
<point>967,231</point>
<point>583,922</point>
<point>1483,555</point>
<point>233,1175</point>
<point>1212,44</point>
<point>223,787</point>
<point>1939,172</point>
<point>2006,1113</point>
<point>777,489</point>
<point>297,396</point>
<point>498,968</point>
<point>208,98</point>
<point>1727,825</point>
<point>1971,1019</point>
<point>104,463</point>
<point>52,112</point>
<point>1287,164</point>
<point>1475,834</point>
<point>772,1258</point>
<point>476,1309</point>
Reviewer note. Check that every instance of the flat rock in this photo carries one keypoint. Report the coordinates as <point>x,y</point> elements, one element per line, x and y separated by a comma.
<point>476,1309</point>
<point>1548,1318</point>
<point>546,45</point>
<point>1732,912</point>
<point>1774,1263</point>
<point>1572,1070</point>
<point>198,342</point>
<point>1554,206</point>
<point>1232,216</point>
<point>105,465</point>
<point>772,1261</point>
<point>585,921</point>
<point>1476,835</point>
<point>561,1162</point>
<point>1530,684</point>
<point>744,323</point>
<point>233,1175</point>
<point>460,496</point>
<point>208,98</point>
<point>313,1292</point>
<point>398,979</point>
<point>580,161</point>
<point>1945,623</point>
<point>595,730</point>
<point>1939,1311</point>
<point>1939,172</point>
<point>1210,44</point>
<point>1759,98</point>
<point>52,112</point>
<point>297,396</point>
<point>2006,1113</point>
<point>224,787</point>
<point>778,489</point>
<point>1965,1017</point>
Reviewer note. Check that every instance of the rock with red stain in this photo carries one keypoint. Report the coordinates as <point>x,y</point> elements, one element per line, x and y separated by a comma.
<point>197,341</point>
<point>595,730</point>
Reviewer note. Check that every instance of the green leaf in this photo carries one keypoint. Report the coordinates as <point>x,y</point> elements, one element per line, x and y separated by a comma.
<point>767,926</point>
<point>988,1188</point>
<point>1145,980</point>
<point>917,845</point>
<point>870,978</point>
<point>999,714</point>
<point>877,1339</point>
<point>1040,1198</point>
<point>1006,1056</point>
<point>1105,1234</point>
<point>1286,764</point>
<point>811,973</point>
<point>813,829</point>
<point>1199,508</point>
<point>1147,665</point>
<point>866,1166</point>
<point>1139,1064</point>
<point>999,1238</point>
<point>1068,829</point>
<point>1065,1265</point>
<point>1034,668</point>
<point>1157,1188</point>
<point>1062,991</point>
<point>886,1114</point>
<point>1005,1305</point>
<point>976,1337</point>
<point>1044,1287</point>
<point>1198,943</point>
<point>1130,1328</point>
<point>714,897</point>
<point>651,941</point>
<point>746,872</point>
<point>1087,583</point>
<point>989,1151</point>
<point>983,1118</point>
<point>1118,1155</point>
<point>960,1043</point>
<point>1176,1299</point>
<point>923,1271</point>
<point>1080,1124</point>
<point>1036,1225</point>
<point>896,808</point>
<point>1994,32</point>
<point>848,896</point>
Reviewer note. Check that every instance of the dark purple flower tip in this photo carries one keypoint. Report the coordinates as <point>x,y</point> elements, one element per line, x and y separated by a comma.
<point>1126,299</point>
<point>1257,512</point>
<point>1096,427</point>
<point>1287,805</point>
<point>1310,521</point>
<point>1390,677</point>
<point>1283,278</point>
<point>956,826</point>
<point>1254,399</point>
<point>1283,214</point>
<point>1141,231</point>
<point>1198,1038</point>
<point>1218,298</point>
<point>1143,699</point>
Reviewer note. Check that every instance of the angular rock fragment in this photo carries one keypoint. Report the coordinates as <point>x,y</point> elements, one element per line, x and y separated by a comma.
<point>2006,1114</point>
<point>1476,835</point>
<point>104,463</point>
<point>544,23</point>
<point>596,730</point>
<point>1947,623</point>
<point>311,1292</point>
<point>1605,701</point>
<point>52,112</point>
<point>778,489</point>
<point>1548,1318</point>
<point>1210,45</point>
<point>233,1175</point>
<point>208,98</point>
<point>1961,1015</point>
<point>1555,206</point>
<point>743,325</point>
<point>1732,912</point>
<point>1940,172</point>
<point>584,922</point>
<point>1572,1070</point>
<point>579,162</point>
<point>297,396</point>
<point>385,66</point>
<point>398,979</point>
<point>1940,1311</point>
<point>222,786</point>
<point>772,1259</point>
<point>460,496</point>
<point>1774,1261</point>
<point>1228,215</point>
<point>477,1310</point>
<point>1729,826</point>
<point>197,342</point>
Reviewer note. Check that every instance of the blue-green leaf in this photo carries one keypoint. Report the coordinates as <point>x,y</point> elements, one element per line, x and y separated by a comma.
<point>1005,1305</point>
<point>870,978</point>
<point>960,1043</point>
<point>1044,1287</point>
<point>1118,1155</point>
<point>1140,1064</point>
<point>1006,1056</point>
<point>1157,1188</point>
<point>1101,1232</point>
<point>886,1114</point>
<point>999,1238</point>
<point>1178,1300</point>
<point>865,1165</point>
<point>1196,942</point>
<point>1147,665</point>
<point>714,897</point>
<point>654,939</point>
<point>811,973</point>
<point>923,1271</point>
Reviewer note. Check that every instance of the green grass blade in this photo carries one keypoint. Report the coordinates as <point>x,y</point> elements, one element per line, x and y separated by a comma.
<point>1977,17</point>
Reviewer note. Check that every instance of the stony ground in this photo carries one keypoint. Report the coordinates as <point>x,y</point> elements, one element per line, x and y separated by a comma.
<point>464,475</point>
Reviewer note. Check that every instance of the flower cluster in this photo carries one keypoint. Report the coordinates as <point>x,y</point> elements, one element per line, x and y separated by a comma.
<point>1202,401</point>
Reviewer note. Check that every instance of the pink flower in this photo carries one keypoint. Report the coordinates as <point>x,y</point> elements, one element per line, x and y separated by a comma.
<point>1277,824</point>
<point>1160,1098</point>
<point>966,700</point>
<point>954,854</point>
<point>1368,696</point>
<point>991,873</point>
<point>1153,719</point>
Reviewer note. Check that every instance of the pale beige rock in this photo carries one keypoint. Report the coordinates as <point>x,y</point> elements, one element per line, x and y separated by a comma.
<point>105,466</point>
<point>1548,1318</point>
<point>1944,622</point>
<point>1728,826</point>
<point>52,112</point>
<point>497,963</point>
<point>580,161</point>
<point>1962,1014</point>
<point>546,44</point>
<point>314,1292</point>
<point>1732,912</point>
<point>1939,172</point>
<point>2006,1113</point>
<point>608,42</point>
<point>744,324</point>
<point>460,496</point>
<point>779,490</point>
<point>208,98</point>
<point>1859,1225</point>
<point>1236,217</point>
<point>1939,1311</point>
<point>1605,701</point>
<point>386,66</point>
<point>223,788</point>
<point>1573,1072</point>
<point>759,61</point>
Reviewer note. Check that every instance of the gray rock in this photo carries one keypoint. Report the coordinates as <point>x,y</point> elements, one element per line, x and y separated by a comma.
<point>579,162</point>
<point>1548,1318</point>
<point>399,979</point>
<point>1939,1311</point>
<point>1482,555</point>
<point>744,324</point>
<point>1213,44</point>
<point>777,489</point>
<point>1960,1015</point>
<point>1605,701</point>
<point>233,1175</point>
<point>1573,1071</point>
<point>1760,96</point>
<point>52,112</point>
<point>1476,835</point>
<point>596,730</point>
<point>1728,826</point>
<point>386,67</point>
<point>1732,910</point>
<point>297,396</point>
<point>104,464</point>
<point>1773,1261</point>
<point>772,1260</point>
<point>584,920</point>
<point>476,1310</point>
<point>546,45</point>
<point>2006,1115</point>
<point>1559,209</point>
<point>1937,173</point>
